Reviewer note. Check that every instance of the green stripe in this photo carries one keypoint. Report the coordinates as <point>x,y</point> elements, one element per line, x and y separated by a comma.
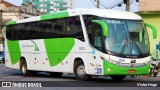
<point>58,49</point>
<point>14,51</point>
<point>55,15</point>
<point>118,70</point>
<point>154,30</point>
<point>103,25</point>
<point>11,23</point>
<point>105,67</point>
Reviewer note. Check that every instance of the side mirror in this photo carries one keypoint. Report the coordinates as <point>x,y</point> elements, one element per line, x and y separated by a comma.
<point>103,25</point>
<point>154,30</point>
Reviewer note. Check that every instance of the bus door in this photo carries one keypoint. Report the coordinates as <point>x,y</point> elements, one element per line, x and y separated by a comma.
<point>95,37</point>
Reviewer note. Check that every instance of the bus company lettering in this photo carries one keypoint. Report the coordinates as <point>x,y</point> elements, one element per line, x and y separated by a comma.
<point>27,45</point>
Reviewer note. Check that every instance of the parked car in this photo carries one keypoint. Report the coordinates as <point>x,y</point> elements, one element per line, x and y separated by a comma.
<point>2,57</point>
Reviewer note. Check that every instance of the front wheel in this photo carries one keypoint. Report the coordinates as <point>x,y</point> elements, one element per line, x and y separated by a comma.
<point>118,77</point>
<point>80,72</point>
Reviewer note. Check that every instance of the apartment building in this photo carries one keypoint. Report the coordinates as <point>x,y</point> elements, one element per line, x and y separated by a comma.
<point>51,6</point>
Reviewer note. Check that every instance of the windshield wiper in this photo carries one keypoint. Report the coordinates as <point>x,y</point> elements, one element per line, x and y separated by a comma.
<point>124,46</point>
<point>138,48</point>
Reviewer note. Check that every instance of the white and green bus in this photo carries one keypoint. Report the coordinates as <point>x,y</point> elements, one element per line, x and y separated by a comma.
<point>85,42</point>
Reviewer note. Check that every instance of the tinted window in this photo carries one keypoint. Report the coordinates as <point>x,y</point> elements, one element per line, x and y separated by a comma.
<point>55,28</point>
<point>94,32</point>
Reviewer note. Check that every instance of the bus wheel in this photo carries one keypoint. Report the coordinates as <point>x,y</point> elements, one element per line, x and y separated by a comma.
<point>55,74</point>
<point>24,70</point>
<point>80,72</point>
<point>118,77</point>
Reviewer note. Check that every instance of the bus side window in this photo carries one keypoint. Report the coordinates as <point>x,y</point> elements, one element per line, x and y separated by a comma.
<point>74,28</point>
<point>94,32</point>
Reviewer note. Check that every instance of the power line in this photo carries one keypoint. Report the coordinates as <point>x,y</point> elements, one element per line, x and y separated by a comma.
<point>93,3</point>
<point>103,5</point>
<point>136,4</point>
<point>116,4</point>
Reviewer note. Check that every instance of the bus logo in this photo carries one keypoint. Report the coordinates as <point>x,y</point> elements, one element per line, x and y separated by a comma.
<point>35,46</point>
<point>133,61</point>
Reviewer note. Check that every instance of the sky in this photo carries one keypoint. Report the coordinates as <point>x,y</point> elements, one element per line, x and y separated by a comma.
<point>89,4</point>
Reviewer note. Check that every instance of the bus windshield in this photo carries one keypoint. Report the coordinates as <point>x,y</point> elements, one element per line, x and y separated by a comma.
<point>126,37</point>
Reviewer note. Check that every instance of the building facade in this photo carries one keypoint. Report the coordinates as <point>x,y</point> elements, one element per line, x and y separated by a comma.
<point>51,6</point>
<point>149,5</point>
<point>10,12</point>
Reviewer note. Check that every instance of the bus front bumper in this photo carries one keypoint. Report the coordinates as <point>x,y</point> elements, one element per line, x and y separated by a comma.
<point>113,69</point>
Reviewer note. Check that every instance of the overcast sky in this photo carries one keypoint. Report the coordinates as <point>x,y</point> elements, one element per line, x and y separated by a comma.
<point>89,4</point>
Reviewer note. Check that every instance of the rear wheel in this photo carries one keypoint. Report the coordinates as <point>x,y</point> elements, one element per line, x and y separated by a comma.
<point>80,72</point>
<point>118,77</point>
<point>24,70</point>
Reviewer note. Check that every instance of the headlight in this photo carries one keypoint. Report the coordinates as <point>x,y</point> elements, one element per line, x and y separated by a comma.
<point>108,69</point>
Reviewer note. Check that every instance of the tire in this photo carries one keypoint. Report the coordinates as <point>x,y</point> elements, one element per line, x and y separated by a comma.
<point>118,77</point>
<point>24,70</point>
<point>150,73</point>
<point>155,73</point>
<point>55,74</point>
<point>79,71</point>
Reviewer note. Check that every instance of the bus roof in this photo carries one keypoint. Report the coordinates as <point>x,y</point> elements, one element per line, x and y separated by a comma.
<point>108,13</point>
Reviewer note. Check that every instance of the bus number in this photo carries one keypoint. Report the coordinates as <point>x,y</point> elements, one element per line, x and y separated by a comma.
<point>81,48</point>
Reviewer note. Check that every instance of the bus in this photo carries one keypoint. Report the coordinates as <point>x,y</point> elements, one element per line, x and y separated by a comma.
<point>85,42</point>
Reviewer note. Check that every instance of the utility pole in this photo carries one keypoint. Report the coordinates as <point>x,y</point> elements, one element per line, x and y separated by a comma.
<point>1,19</point>
<point>1,25</point>
<point>98,4</point>
<point>43,6</point>
<point>127,5</point>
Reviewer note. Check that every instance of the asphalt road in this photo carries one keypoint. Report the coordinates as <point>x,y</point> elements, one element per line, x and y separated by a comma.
<point>69,82</point>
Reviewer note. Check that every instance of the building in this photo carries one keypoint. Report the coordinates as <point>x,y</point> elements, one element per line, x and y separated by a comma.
<point>149,5</point>
<point>28,10</point>
<point>10,12</point>
<point>51,6</point>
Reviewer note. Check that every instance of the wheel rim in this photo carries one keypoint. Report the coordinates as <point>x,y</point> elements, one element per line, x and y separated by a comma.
<point>81,70</point>
<point>24,68</point>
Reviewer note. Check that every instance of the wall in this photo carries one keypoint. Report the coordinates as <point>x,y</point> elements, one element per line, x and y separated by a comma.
<point>149,5</point>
